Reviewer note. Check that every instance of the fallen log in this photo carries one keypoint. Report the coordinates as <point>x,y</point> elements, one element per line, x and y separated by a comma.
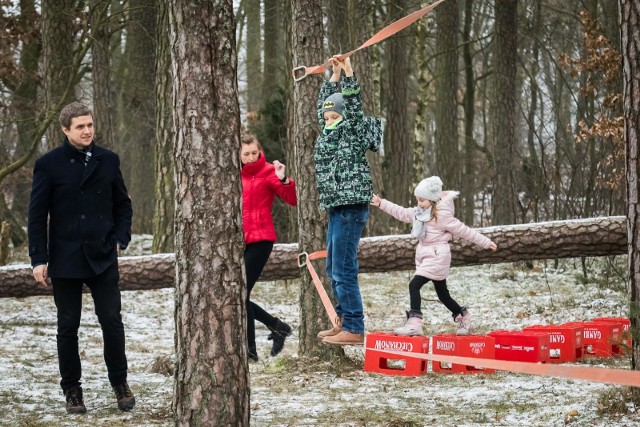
<point>544,240</point>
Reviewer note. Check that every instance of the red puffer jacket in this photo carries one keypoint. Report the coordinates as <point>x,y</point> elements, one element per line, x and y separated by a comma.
<point>260,185</point>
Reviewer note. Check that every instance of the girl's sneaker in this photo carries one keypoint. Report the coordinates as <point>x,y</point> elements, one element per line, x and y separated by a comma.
<point>464,322</point>
<point>413,326</point>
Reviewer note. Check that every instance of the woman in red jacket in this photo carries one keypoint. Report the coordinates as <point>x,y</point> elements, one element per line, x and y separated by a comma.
<point>261,183</point>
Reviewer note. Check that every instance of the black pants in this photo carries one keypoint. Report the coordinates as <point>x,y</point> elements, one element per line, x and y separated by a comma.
<point>256,256</point>
<point>441,290</point>
<point>105,291</point>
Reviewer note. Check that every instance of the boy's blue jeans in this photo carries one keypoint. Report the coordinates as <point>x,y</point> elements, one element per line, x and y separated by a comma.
<point>346,224</point>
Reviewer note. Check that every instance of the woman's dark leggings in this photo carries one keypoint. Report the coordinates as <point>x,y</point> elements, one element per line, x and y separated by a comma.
<point>256,256</point>
<point>441,290</point>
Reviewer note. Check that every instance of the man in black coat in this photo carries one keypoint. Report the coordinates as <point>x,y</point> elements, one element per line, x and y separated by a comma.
<point>79,218</point>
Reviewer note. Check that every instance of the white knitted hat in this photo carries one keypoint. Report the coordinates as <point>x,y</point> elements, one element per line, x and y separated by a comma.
<point>429,188</point>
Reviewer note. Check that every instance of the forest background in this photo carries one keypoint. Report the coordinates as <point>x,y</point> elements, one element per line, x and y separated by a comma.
<point>519,107</point>
<point>517,104</point>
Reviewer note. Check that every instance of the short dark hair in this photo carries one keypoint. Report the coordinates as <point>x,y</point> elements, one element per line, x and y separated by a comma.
<point>247,139</point>
<point>71,111</point>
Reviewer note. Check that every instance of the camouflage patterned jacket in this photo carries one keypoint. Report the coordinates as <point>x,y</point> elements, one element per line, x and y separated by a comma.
<point>343,176</point>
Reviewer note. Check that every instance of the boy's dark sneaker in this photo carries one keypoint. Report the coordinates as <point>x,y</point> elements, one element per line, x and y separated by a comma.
<point>126,400</point>
<point>75,402</point>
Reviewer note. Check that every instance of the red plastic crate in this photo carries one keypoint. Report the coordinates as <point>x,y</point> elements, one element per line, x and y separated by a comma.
<point>626,330</point>
<point>375,360</point>
<point>521,346</point>
<point>600,339</point>
<point>477,346</point>
<point>565,341</point>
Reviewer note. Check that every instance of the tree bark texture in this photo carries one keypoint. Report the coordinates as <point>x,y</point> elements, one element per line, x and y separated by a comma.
<point>307,42</point>
<point>163,234</point>
<point>137,111</point>
<point>361,26</point>
<point>103,93</point>
<point>253,48</point>
<point>58,54</point>
<point>630,41</point>
<point>504,195</point>
<point>447,164</point>
<point>212,378</point>
<point>593,237</point>
<point>399,131</point>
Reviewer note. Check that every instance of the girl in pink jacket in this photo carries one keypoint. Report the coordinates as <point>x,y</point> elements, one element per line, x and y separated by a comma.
<point>434,226</point>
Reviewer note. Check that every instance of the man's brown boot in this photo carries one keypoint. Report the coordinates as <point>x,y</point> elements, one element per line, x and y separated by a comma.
<point>333,331</point>
<point>345,338</point>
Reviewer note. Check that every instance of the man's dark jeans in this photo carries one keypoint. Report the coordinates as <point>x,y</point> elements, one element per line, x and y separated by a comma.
<point>105,291</point>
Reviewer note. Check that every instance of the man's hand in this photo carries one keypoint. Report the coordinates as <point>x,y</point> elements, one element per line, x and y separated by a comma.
<point>40,274</point>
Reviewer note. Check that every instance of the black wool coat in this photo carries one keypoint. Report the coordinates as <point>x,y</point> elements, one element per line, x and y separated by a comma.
<point>78,213</point>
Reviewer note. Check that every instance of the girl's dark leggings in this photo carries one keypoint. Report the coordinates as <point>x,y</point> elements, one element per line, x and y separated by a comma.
<point>256,256</point>
<point>441,290</point>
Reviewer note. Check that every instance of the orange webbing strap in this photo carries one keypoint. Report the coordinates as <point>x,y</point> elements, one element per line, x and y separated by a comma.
<point>587,373</point>
<point>328,305</point>
<point>301,72</point>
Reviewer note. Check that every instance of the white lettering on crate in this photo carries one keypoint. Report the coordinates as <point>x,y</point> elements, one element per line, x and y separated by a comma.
<point>593,335</point>
<point>556,338</point>
<point>393,346</point>
<point>446,345</point>
<point>477,347</point>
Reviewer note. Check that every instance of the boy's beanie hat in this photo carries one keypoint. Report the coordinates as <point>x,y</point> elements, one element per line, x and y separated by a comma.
<point>429,188</point>
<point>334,102</point>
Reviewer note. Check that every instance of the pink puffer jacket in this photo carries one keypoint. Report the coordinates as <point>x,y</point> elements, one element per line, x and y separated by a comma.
<point>433,255</point>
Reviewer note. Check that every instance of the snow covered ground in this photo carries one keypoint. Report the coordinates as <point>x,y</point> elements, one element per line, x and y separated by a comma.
<point>292,391</point>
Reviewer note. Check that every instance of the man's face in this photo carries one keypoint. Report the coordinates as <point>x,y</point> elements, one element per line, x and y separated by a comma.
<point>80,133</point>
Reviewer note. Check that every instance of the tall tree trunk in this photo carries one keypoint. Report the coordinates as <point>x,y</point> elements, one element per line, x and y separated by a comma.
<point>103,92</point>
<point>447,164</point>
<point>274,61</point>
<point>467,180</point>
<point>307,42</point>
<point>361,28</point>
<point>338,22</point>
<point>630,47</point>
<point>137,111</point>
<point>57,43</point>
<point>254,48</point>
<point>399,132</point>
<point>163,236</point>
<point>212,377</point>
<point>535,184</point>
<point>24,105</point>
<point>504,195</point>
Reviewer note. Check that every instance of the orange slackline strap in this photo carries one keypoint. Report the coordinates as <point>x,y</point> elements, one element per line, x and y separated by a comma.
<point>602,375</point>
<point>304,259</point>
<point>301,72</point>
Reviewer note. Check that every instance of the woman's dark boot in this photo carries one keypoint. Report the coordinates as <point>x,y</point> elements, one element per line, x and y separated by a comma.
<point>252,353</point>
<point>278,334</point>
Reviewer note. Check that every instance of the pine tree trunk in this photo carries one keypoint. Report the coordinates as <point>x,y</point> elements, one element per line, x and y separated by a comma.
<point>591,237</point>
<point>103,93</point>
<point>630,42</point>
<point>137,111</point>
<point>307,43</point>
<point>163,214</point>
<point>447,164</point>
<point>212,378</point>
<point>58,55</point>
<point>504,194</point>
<point>468,178</point>
<point>253,62</point>
<point>399,132</point>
